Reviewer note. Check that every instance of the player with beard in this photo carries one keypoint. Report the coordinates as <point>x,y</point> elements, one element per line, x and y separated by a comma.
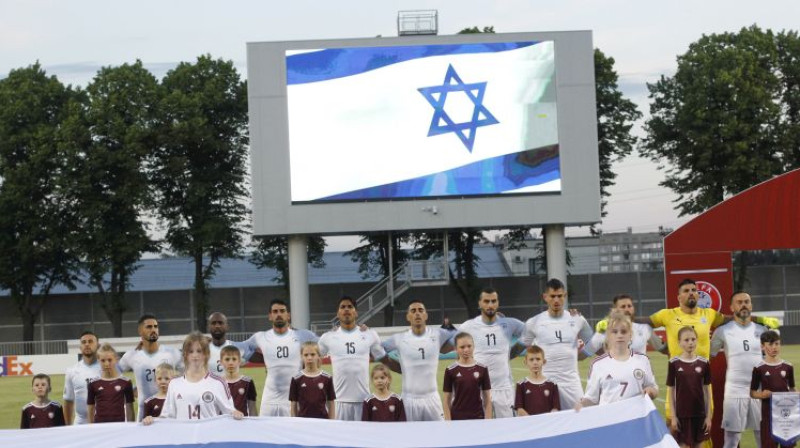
<point>280,348</point>
<point>741,340</point>
<point>642,333</point>
<point>143,361</point>
<point>77,378</point>
<point>687,313</point>
<point>493,337</point>
<point>218,329</point>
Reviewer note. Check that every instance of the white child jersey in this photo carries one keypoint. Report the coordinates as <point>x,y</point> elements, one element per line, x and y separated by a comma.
<point>76,381</point>
<point>281,358</point>
<point>143,365</point>
<point>611,380</point>
<point>419,359</point>
<point>493,344</point>
<point>742,344</point>
<point>206,398</point>
<point>214,364</point>
<point>558,337</point>
<point>349,352</point>
<point>642,335</point>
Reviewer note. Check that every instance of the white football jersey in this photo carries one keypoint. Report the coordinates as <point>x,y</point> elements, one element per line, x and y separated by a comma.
<point>349,352</point>
<point>281,358</point>
<point>742,345</point>
<point>206,398</point>
<point>214,364</point>
<point>76,381</point>
<point>642,335</point>
<point>558,337</point>
<point>493,344</point>
<point>419,359</point>
<point>611,380</point>
<point>143,365</point>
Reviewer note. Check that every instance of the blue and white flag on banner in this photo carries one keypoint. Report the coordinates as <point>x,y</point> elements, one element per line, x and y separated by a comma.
<point>423,121</point>
<point>633,423</point>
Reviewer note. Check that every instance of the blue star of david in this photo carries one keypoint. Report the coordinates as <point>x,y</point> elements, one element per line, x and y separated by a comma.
<point>437,95</point>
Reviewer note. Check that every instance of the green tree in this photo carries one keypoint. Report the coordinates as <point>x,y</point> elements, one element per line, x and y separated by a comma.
<point>37,223</point>
<point>200,167</point>
<point>114,136</point>
<point>373,254</point>
<point>715,126</point>
<point>788,44</point>
<point>273,252</point>
<point>615,118</point>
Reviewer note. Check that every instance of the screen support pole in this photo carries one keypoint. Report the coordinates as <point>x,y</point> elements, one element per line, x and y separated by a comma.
<point>556,251</point>
<point>298,281</point>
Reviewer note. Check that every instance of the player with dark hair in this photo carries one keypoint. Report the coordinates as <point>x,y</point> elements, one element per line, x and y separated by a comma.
<point>418,350</point>
<point>41,412</point>
<point>642,333</point>
<point>493,338</point>
<point>77,379</point>
<point>143,361</point>
<point>558,333</point>
<point>350,349</point>
<point>280,348</point>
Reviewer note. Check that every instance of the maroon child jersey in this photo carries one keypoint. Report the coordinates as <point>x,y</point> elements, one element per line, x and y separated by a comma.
<point>537,398</point>
<point>46,416</point>
<point>776,378</point>
<point>153,406</point>
<point>466,384</point>
<point>109,398</point>
<point>688,379</point>
<point>389,410</point>
<point>312,394</point>
<point>242,391</point>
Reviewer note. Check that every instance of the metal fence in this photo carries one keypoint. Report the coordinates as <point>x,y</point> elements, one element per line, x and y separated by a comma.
<point>33,348</point>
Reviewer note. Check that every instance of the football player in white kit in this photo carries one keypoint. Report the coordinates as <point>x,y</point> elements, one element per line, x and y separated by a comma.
<point>280,348</point>
<point>143,361</point>
<point>493,336</point>
<point>218,329</point>
<point>77,378</point>
<point>741,340</point>
<point>419,349</point>
<point>350,348</point>
<point>642,333</point>
<point>558,332</point>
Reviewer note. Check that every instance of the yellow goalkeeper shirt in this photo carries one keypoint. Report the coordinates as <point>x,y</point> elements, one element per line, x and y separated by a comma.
<point>673,319</point>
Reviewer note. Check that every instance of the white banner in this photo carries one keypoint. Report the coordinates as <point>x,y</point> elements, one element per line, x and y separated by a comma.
<point>633,423</point>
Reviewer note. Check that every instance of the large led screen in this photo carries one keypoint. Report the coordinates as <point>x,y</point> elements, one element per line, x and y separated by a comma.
<point>426,121</point>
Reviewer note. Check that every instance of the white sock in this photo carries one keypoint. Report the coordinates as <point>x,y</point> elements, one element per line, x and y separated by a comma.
<point>732,439</point>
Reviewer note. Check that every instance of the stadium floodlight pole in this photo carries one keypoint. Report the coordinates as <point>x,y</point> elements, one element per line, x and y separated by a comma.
<point>556,250</point>
<point>391,278</point>
<point>298,281</point>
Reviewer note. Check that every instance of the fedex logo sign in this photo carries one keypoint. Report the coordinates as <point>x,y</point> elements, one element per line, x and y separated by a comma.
<point>11,366</point>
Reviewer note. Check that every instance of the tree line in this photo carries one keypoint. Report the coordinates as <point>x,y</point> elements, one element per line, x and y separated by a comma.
<point>90,175</point>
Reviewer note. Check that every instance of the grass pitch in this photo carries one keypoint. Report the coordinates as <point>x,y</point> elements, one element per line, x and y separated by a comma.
<point>15,392</point>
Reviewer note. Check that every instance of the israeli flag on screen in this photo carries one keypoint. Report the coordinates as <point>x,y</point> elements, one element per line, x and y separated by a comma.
<point>427,121</point>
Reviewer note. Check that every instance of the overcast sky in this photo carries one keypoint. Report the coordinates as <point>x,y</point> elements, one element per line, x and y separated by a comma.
<point>73,39</point>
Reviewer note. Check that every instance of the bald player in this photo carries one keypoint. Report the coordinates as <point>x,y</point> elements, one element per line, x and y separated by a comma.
<point>218,329</point>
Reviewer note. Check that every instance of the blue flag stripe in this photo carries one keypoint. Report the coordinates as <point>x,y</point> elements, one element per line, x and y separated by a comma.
<point>485,177</point>
<point>335,63</point>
